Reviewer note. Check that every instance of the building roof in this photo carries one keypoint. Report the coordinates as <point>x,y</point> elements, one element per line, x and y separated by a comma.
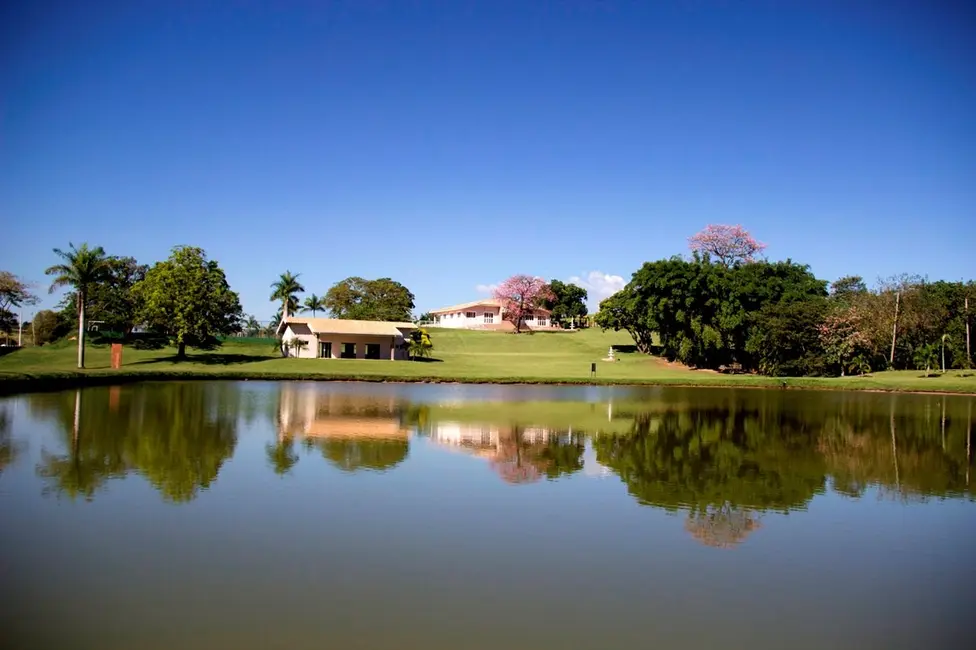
<point>484,302</point>
<point>344,326</point>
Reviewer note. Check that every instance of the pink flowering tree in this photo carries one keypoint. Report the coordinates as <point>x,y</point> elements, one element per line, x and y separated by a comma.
<point>844,341</point>
<point>520,295</point>
<point>727,244</point>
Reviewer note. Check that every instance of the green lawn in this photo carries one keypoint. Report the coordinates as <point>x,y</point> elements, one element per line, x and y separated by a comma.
<point>556,357</point>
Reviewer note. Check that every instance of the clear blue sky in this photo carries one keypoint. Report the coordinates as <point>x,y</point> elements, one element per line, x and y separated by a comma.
<point>450,144</point>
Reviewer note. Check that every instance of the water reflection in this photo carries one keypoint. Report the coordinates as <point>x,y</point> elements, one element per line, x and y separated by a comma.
<point>720,458</point>
<point>176,435</point>
<point>351,431</point>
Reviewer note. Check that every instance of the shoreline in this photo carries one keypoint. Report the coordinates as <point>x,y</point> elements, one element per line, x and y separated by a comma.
<point>23,383</point>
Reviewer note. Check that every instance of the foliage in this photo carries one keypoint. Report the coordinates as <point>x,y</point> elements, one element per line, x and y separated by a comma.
<point>82,269</point>
<point>842,339</point>
<point>727,244</point>
<point>356,298</point>
<point>704,313</point>
<point>111,300</point>
<point>926,356</point>
<point>43,326</point>
<point>13,293</point>
<point>425,317</point>
<point>520,296</point>
<point>785,338</point>
<point>188,298</point>
<point>419,344</point>
<point>568,301</point>
<point>282,456</point>
<point>284,289</point>
<point>314,304</point>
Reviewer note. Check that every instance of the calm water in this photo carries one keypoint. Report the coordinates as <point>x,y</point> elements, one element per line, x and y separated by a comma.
<point>308,515</point>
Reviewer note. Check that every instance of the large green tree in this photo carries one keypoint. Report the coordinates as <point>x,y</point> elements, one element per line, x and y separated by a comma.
<point>568,301</point>
<point>83,269</point>
<point>285,289</point>
<point>360,299</point>
<point>702,312</point>
<point>188,298</point>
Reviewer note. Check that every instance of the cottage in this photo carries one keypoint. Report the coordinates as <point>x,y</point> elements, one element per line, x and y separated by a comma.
<point>486,314</point>
<point>334,338</point>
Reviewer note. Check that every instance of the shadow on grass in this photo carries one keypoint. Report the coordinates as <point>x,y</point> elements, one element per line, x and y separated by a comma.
<point>207,359</point>
<point>427,360</point>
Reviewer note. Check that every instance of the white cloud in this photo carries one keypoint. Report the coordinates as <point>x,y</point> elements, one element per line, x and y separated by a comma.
<point>598,285</point>
<point>486,288</point>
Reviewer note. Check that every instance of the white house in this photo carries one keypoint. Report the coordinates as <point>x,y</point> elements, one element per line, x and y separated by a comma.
<point>335,338</point>
<point>486,314</point>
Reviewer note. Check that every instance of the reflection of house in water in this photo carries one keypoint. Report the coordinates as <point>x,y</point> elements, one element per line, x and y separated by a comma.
<point>517,454</point>
<point>311,412</point>
<point>353,432</point>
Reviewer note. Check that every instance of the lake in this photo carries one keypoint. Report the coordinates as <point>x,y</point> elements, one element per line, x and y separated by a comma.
<point>315,515</point>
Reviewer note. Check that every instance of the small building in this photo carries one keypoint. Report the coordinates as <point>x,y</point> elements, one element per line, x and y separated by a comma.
<point>336,338</point>
<point>486,314</point>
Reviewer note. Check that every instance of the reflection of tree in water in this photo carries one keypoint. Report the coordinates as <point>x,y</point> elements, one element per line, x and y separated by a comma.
<point>521,457</point>
<point>722,526</point>
<point>9,449</point>
<point>351,455</point>
<point>177,435</point>
<point>727,465</point>
<point>282,455</point>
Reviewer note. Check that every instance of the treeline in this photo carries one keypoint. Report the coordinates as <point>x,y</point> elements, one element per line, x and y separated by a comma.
<point>777,318</point>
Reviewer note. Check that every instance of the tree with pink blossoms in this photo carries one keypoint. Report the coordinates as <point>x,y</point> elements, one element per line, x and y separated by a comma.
<point>521,295</point>
<point>727,244</point>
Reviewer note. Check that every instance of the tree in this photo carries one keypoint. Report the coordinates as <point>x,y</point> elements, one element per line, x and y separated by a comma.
<point>356,298</point>
<point>568,301</point>
<point>188,298</point>
<point>784,338</point>
<point>314,304</point>
<point>111,301</point>
<point>727,244</point>
<point>420,346</point>
<point>520,296</point>
<point>82,269</point>
<point>847,287</point>
<point>13,293</point>
<point>284,289</point>
<point>43,326</point>
<point>842,338</point>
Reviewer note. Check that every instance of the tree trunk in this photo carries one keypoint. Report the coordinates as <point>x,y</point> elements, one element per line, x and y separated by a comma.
<point>968,353</point>
<point>81,329</point>
<point>181,350</point>
<point>894,332</point>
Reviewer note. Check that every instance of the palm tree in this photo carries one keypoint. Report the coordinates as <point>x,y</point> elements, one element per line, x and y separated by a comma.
<point>314,304</point>
<point>82,269</point>
<point>285,289</point>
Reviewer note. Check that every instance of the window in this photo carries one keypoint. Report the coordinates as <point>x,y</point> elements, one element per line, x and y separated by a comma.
<point>471,314</point>
<point>489,317</point>
<point>325,349</point>
<point>540,320</point>
<point>348,351</point>
<point>372,350</point>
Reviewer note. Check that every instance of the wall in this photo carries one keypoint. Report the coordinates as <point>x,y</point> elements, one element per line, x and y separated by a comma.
<point>301,331</point>
<point>386,343</point>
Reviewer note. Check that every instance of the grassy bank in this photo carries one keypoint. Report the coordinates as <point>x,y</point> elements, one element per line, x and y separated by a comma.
<point>460,356</point>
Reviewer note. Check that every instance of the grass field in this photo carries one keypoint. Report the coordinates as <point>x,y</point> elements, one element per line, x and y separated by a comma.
<point>462,356</point>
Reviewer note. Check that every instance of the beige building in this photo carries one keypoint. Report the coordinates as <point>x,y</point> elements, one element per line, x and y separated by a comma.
<point>335,338</point>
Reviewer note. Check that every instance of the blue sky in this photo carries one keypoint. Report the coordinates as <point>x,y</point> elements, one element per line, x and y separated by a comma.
<point>451,144</point>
